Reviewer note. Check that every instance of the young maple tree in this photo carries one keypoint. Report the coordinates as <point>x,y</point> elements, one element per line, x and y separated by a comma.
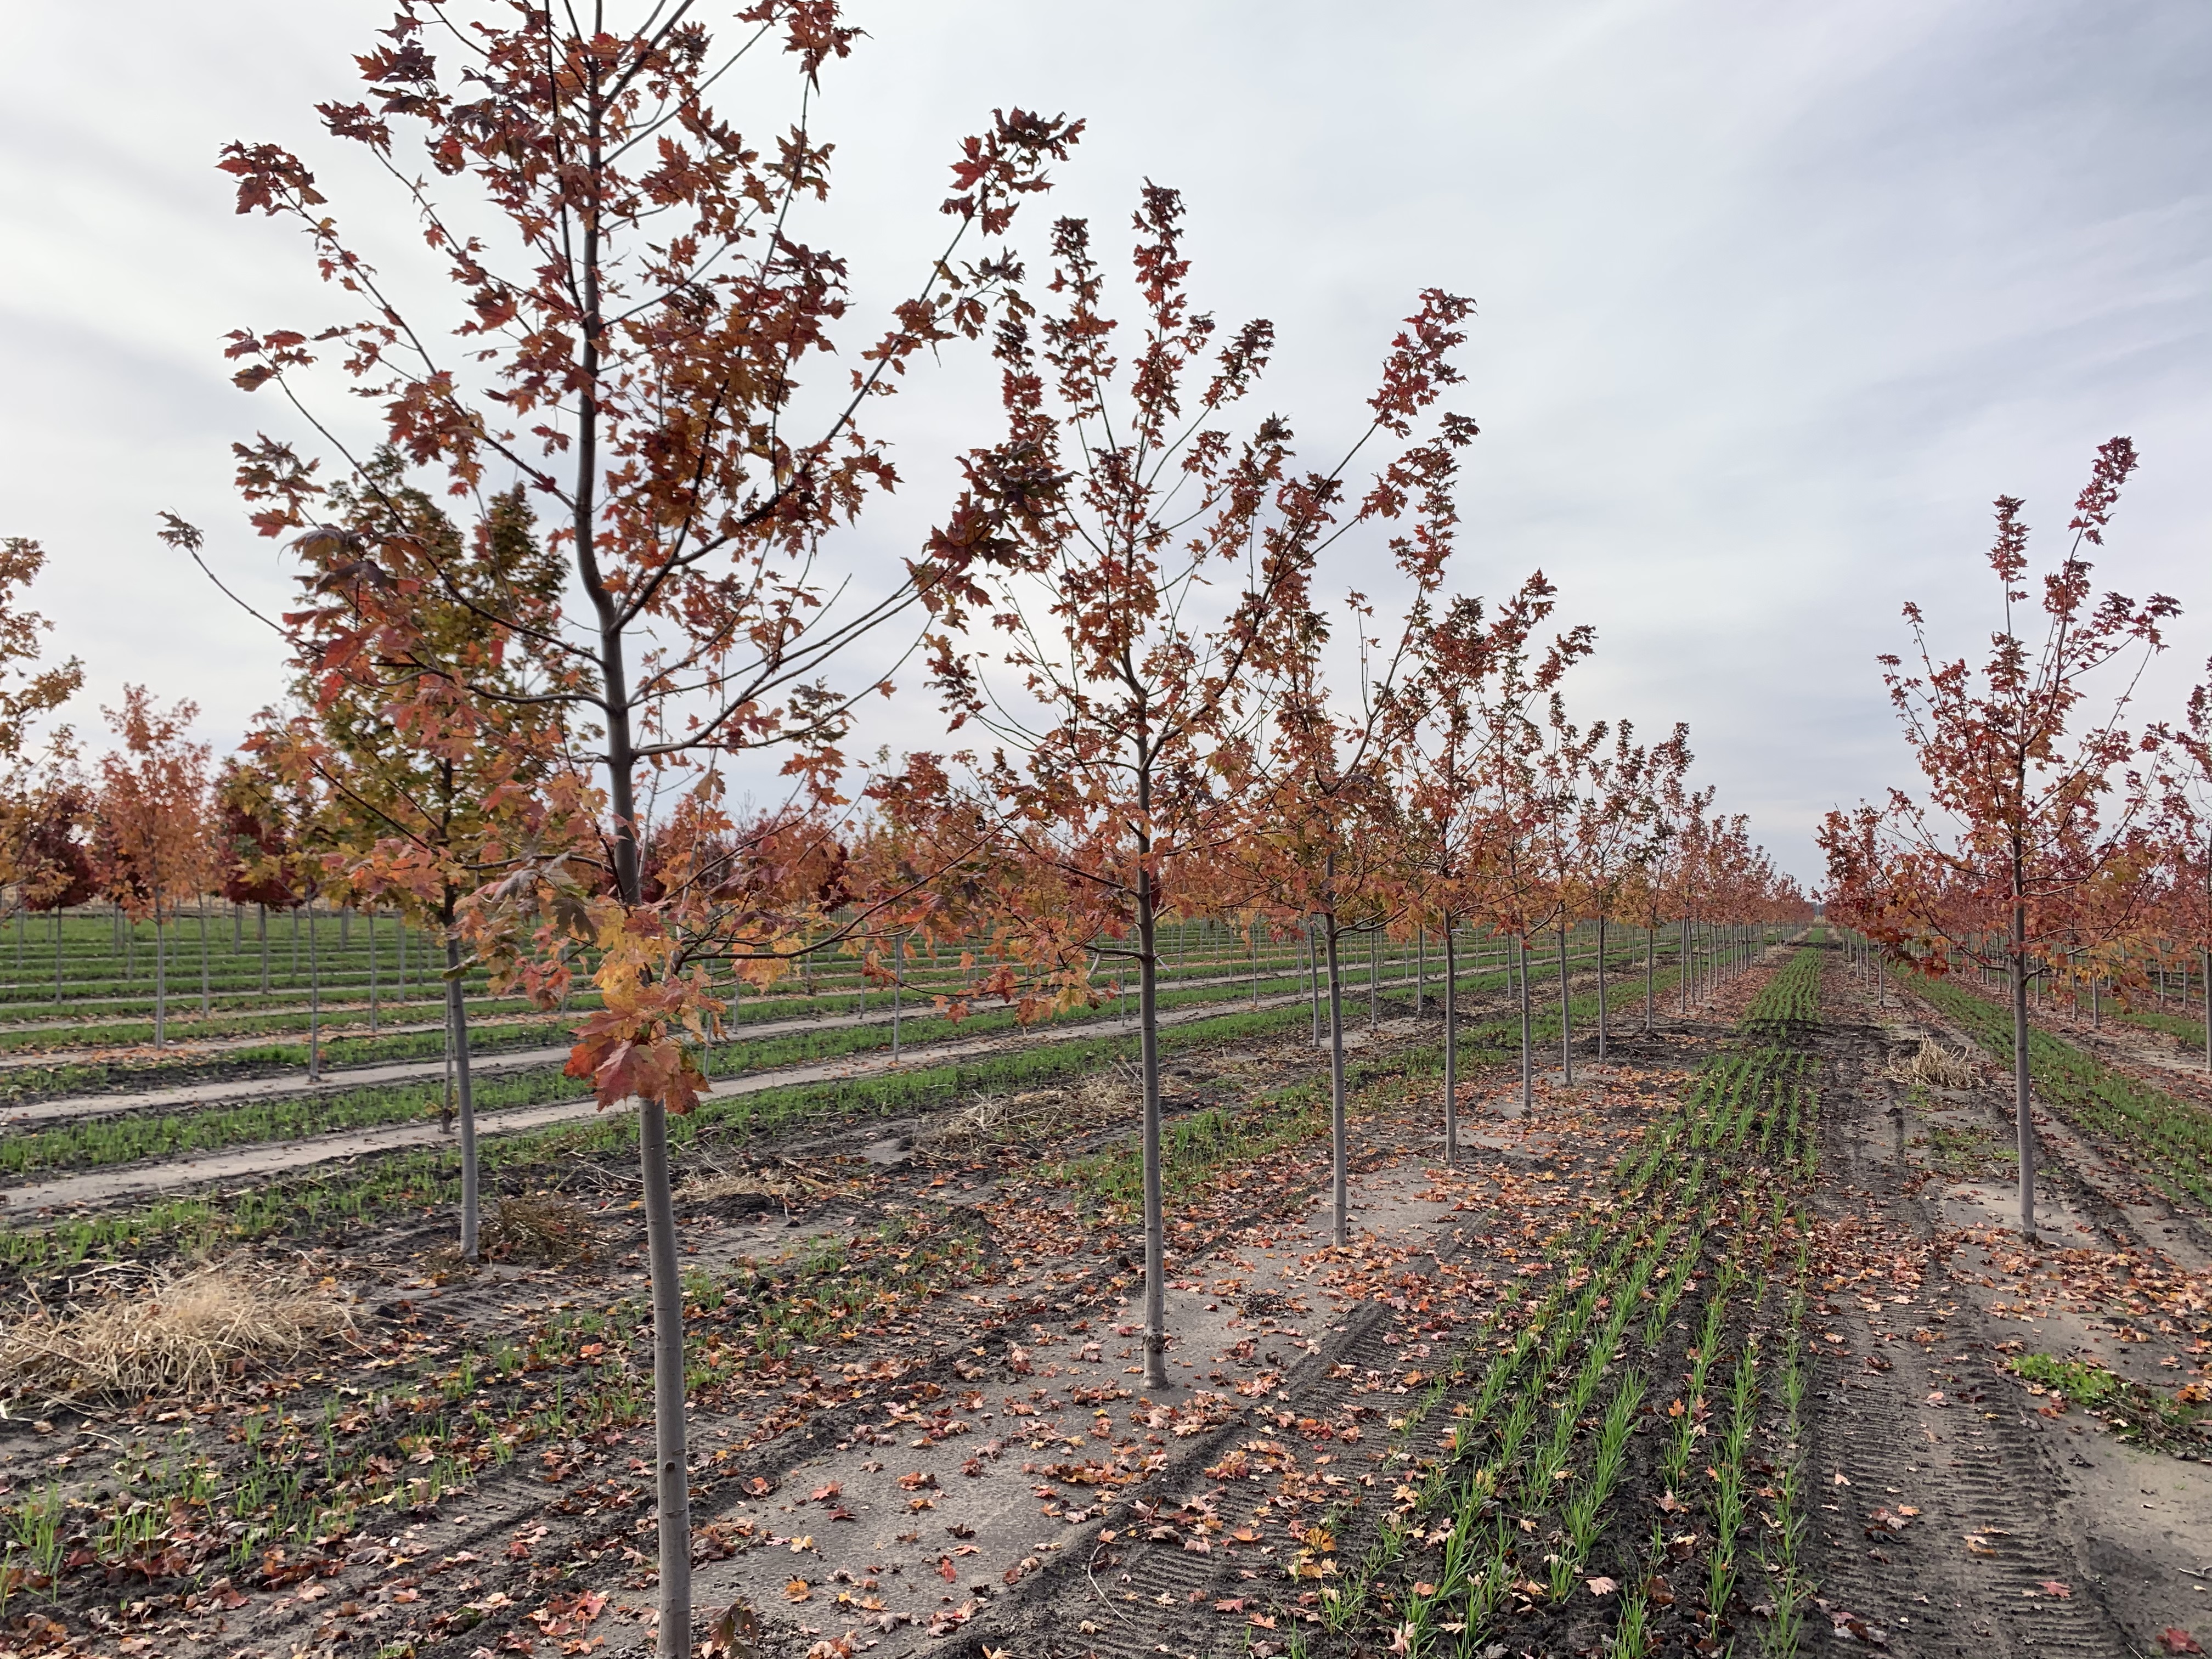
<point>1674,809</point>
<point>438,761</point>
<point>42,863</point>
<point>1335,836</point>
<point>2184,835</point>
<point>1454,651</point>
<point>254,860</point>
<point>2026,844</point>
<point>1127,735</point>
<point>1615,820</point>
<point>1461,649</point>
<point>636,327</point>
<point>151,845</point>
<point>1518,881</point>
<point>1334,840</point>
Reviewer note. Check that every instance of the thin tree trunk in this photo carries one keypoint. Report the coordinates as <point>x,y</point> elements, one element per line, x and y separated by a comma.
<point>161,983</point>
<point>1420,966</point>
<point>1374,982</point>
<point>1600,985</point>
<point>898,984</point>
<point>1339,1152</point>
<point>1527,1053</point>
<point>314,999</point>
<point>261,924</point>
<point>207,998</point>
<point>456,1011</point>
<point>57,955</point>
<point>372,973</point>
<point>1566,1017</point>
<point>1651,974</point>
<point>2023,1118</point>
<point>1313,979</point>
<point>1148,1059</point>
<point>1451,1046</point>
<point>1255,964</point>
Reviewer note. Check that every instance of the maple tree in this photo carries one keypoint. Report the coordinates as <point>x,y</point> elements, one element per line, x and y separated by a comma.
<point>1615,825</point>
<point>637,322</point>
<point>27,690</point>
<point>1126,744</point>
<point>2029,843</point>
<point>2184,787</point>
<point>42,862</point>
<point>1522,755</point>
<point>255,865</point>
<point>151,848</point>
<point>1461,647</point>
<point>437,763</point>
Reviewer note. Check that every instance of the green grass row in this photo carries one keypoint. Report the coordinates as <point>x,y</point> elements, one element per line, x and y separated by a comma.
<point>2175,1136</point>
<point>129,1138</point>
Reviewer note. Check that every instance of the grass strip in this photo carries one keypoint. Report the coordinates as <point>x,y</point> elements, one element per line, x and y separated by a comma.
<point>2174,1137</point>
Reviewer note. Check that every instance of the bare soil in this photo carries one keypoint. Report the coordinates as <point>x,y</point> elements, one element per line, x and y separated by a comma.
<point>1960,1512</point>
<point>966,1461</point>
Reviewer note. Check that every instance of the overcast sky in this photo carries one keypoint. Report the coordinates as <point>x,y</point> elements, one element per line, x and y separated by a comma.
<point>1772,301</point>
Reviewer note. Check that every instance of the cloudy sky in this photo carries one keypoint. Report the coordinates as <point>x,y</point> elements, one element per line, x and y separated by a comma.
<point>1772,301</point>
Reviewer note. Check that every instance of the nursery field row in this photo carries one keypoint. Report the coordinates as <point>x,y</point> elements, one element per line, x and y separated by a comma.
<point>111,1140</point>
<point>2169,1139</point>
<point>493,1417</point>
<point>1614,1463</point>
<point>105,1089</point>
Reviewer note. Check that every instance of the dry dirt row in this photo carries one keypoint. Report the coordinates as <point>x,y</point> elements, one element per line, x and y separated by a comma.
<point>1959,1513</point>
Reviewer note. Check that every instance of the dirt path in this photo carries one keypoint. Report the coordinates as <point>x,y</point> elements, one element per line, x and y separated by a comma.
<point>189,1048</point>
<point>1954,1516</point>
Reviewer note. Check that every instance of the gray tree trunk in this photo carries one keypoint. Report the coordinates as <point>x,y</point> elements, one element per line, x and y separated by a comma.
<point>1528,1055</point>
<point>1339,1153</point>
<point>1148,1051</point>
<point>1566,1017</point>
<point>1451,1047</point>
<point>456,1013</point>
<point>1600,985</point>
<point>314,998</point>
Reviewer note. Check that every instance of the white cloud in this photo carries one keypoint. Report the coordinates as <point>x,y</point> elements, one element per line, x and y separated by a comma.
<point>1772,300</point>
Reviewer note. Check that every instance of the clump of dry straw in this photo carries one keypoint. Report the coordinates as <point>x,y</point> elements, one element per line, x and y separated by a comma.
<point>182,1332</point>
<point>1936,1067</point>
<point>541,1227</point>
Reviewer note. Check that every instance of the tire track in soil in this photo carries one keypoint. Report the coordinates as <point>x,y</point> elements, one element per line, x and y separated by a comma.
<point>1969,1470</point>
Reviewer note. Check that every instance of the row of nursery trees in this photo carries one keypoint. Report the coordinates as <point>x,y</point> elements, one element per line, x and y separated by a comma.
<point>588,572</point>
<point>2058,843</point>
